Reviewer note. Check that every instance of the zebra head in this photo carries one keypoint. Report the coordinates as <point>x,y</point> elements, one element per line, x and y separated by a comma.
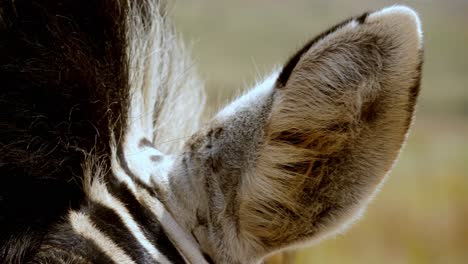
<point>104,133</point>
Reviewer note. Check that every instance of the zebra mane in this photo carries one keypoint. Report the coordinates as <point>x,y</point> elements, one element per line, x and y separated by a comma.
<point>166,97</point>
<point>76,77</point>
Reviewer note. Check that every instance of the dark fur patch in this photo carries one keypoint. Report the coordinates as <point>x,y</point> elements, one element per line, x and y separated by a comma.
<point>146,143</point>
<point>155,158</point>
<point>208,258</point>
<point>291,64</point>
<point>362,18</point>
<point>414,90</point>
<point>63,85</point>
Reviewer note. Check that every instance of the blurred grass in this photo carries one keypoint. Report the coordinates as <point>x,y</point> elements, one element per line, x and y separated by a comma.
<point>421,214</point>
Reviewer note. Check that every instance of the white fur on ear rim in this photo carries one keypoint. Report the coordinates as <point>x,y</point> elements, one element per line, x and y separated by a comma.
<point>253,98</point>
<point>402,20</point>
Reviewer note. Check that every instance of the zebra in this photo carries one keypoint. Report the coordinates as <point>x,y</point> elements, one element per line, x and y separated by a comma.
<point>104,158</point>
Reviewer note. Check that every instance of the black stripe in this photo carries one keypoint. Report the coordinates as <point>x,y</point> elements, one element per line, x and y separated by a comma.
<point>123,163</point>
<point>208,259</point>
<point>110,224</point>
<point>149,223</point>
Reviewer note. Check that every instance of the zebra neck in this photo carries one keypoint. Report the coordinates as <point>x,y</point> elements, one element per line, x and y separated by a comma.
<point>124,212</point>
<point>131,227</point>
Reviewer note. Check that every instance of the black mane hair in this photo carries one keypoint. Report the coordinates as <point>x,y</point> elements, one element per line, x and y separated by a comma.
<point>63,86</point>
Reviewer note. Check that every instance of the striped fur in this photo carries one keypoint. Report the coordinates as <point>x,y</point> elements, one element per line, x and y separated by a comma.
<point>115,72</point>
<point>100,97</point>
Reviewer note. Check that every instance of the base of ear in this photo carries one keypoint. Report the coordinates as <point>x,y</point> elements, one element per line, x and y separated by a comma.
<point>341,111</point>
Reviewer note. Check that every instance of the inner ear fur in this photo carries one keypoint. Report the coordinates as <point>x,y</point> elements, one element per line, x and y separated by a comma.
<point>342,108</point>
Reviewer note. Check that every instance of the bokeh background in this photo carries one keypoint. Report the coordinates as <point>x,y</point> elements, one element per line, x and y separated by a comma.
<point>421,215</point>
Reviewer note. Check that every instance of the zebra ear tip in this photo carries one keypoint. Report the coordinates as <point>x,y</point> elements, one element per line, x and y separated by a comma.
<point>401,19</point>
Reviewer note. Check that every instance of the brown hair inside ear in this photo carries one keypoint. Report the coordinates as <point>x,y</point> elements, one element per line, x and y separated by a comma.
<point>340,114</point>
<point>292,62</point>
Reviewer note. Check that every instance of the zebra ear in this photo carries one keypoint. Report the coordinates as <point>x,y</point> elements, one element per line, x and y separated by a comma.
<point>298,157</point>
<point>341,110</point>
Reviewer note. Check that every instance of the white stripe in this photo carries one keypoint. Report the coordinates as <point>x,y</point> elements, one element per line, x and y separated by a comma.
<point>117,170</point>
<point>83,226</point>
<point>185,243</point>
<point>100,194</point>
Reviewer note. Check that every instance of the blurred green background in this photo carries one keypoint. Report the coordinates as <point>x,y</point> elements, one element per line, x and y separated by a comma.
<point>421,214</point>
